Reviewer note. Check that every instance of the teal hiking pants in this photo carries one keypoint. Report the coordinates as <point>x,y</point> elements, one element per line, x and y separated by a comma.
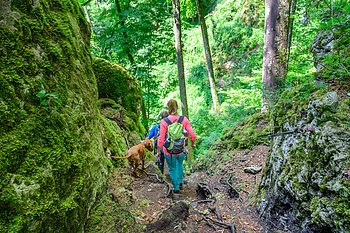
<point>176,169</point>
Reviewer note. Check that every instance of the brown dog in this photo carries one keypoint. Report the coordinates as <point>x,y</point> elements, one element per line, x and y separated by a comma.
<point>137,154</point>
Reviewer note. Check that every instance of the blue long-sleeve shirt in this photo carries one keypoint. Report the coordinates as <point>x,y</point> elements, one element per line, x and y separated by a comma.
<point>154,132</point>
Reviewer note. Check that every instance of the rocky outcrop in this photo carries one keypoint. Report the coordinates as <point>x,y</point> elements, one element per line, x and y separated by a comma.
<point>304,187</point>
<point>322,46</point>
<point>116,83</point>
<point>52,164</point>
<point>119,131</point>
<point>119,103</point>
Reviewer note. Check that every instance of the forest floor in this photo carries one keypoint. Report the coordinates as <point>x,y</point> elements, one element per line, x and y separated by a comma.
<point>224,201</point>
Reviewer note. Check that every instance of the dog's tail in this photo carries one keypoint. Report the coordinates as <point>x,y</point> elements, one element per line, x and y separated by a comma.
<point>123,157</point>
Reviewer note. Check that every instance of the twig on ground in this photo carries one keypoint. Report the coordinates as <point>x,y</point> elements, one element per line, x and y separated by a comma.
<point>201,201</point>
<point>210,224</point>
<point>231,226</point>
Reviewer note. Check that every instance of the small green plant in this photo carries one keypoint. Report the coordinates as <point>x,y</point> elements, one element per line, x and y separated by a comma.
<point>48,99</point>
<point>145,202</point>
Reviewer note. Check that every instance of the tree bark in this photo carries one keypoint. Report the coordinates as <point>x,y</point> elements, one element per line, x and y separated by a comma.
<point>209,63</point>
<point>126,48</point>
<point>275,57</point>
<point>292,9</point>
<point>179,56</point>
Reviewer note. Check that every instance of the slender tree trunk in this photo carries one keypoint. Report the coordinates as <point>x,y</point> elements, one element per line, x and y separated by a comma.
<point>214,96</point>
<point>125,35</point>
<point>87,14</point>
<point>275,57</point>
<point>292,9</point>
<point>144,114</point>
<point>179,56</point>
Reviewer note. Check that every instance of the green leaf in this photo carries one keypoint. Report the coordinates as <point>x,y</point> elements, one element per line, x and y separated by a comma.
<point>43,102</point>
<point>41,94</point>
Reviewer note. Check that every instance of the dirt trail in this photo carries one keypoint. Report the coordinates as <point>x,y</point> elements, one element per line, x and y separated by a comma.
<point>233,205</point>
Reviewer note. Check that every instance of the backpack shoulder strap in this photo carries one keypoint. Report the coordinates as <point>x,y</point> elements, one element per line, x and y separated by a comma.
<point>180,119</point>
<point>167,121</point>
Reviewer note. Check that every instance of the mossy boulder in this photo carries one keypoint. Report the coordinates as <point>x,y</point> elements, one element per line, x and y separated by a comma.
<point>116,83</point>
<point>52,164</point>
<point>119,131</point>
<point>247,133</point>
<point>305,186</point>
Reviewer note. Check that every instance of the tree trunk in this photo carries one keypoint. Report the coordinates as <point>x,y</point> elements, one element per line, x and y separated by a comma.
<point>214,96</point>
<point>145,116</point>
<point>292,9</point>
<point>275,57</point>
<point>125,35</point>
<point>179,57</point>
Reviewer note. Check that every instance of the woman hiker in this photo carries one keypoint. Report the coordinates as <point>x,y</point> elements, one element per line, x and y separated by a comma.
<point>175,160</point>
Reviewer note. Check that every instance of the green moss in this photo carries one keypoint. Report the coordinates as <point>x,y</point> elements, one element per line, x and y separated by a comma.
<point>51,159</point>
<point>130,131</point>
<point>116,83</point>
<point>113,212</point>
<point>246,134</point>
<point>308,166</point>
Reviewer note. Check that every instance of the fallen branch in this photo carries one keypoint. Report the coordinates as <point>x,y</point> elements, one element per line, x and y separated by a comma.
<point>201,201</point>
<point>232,191</point>
<point>210,224</point>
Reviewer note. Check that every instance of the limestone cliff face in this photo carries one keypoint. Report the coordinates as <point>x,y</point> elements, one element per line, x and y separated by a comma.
<point>119,103</point>
<point>305,187</point>
<point>116,83</point>
<point>52,164</point>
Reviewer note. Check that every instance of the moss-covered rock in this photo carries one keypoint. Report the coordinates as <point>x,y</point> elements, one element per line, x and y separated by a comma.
<point>247,133</point>
<point>244,135</point>
<point>116,83</point>
<point>119,131</point>
<point>305,187</point>
<point>52,163</point>
<point>114,212</point>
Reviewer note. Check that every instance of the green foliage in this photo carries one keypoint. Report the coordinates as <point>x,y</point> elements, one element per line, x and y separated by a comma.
<point>48,99</point>
<point>317,17</point>
<point>236,37</point>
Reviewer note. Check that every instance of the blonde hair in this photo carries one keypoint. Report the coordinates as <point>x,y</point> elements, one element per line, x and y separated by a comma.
<point>172,107</point>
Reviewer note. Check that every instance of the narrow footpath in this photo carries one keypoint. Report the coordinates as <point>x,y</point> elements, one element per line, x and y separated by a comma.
<point>222,199</point>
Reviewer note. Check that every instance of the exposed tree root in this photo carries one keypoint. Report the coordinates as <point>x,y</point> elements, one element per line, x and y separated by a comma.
<point>232,192</point>
<point>231,226</point>
<point>160,180</point>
